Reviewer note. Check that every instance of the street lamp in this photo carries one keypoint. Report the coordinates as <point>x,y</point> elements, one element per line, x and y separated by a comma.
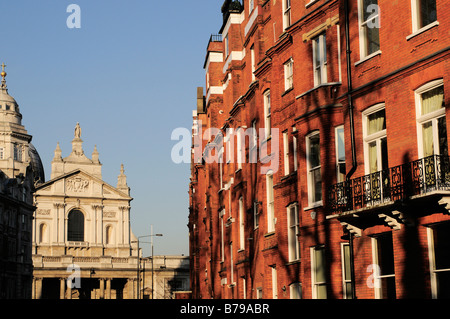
<point>139,260</point>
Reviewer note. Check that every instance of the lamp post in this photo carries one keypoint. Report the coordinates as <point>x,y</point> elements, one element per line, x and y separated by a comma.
<point>139,260</point>
<point>159,235</point>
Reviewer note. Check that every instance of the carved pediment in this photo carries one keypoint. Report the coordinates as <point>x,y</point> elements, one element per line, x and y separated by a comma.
<point>77,184</point>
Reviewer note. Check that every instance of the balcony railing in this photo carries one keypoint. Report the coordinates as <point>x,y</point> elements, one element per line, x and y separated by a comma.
<point>418,177</point>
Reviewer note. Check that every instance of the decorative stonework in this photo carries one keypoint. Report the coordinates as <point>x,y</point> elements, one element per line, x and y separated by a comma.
<point>77,185</point>
<point>109,214</point>
<point>43,211</point>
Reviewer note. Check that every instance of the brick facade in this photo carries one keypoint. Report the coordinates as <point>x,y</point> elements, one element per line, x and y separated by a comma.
<point>387,216</point>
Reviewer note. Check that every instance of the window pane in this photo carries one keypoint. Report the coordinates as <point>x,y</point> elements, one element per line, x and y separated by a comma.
<point>373,157</point>
<point>427,138</point>
<point>75,231</point>
<point>442,131</point>
<point>386,254</point>
<point>388,288</point>
<point>340,144</point>
<point>322,292</point>
<point>317,50</point>
<point>427,12</point>
<point>384,154</point>
<point>348,287</point>
<point>367,13</point>
<point>317,184</point>
<point>372,39</point>
<point>314,151</point>
<point>433,100</point>
<point>319,259</point>
<point>443,279</point>
<point>376,122</point>
<point>347,273</point>
<point>441,236</point>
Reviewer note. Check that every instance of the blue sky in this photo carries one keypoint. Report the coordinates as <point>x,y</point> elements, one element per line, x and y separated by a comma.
<point>129,77</point>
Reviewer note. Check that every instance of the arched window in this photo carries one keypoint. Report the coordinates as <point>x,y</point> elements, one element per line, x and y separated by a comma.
<point>75,226</point>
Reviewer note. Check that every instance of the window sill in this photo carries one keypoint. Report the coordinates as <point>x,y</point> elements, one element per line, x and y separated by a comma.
<point>314,205</point>
<point>310,3</point>
<point>287,91</point>
<point>370,56</point>
<point>318,87</point>
<point>425,28</point>
<point>269,234</point>
<point>293,262</point>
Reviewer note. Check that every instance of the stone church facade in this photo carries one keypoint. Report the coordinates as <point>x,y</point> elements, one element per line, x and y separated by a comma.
<point>83,246</point>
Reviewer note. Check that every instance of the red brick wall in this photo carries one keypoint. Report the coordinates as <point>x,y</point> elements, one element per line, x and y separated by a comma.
<point>390,78</point>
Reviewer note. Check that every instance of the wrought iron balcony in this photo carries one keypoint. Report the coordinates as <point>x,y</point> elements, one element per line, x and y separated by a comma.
<point>397,183</point>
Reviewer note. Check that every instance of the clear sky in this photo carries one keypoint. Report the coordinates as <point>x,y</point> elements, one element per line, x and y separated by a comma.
<point>129,77</point>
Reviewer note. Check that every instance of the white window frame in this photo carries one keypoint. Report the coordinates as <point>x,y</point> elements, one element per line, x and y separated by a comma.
<point>232,282</point>
<point>415,11</point>
<point>289,74</point>
<point>270,203</point>
<point>362,33</point>
<point>310,180</point>
<point>345,280</point>
<point>274,282</point>
<point>241,224</point>
<point>321,67</point>
<point>286,152</point>
<point>432,116</point>
<point>227,49</point>
<point>251,6</point>
<point>286,14</point>
<point>240,149</point>
<point>259,293</point>
<point>293,233</point>
<point>294,148</point>
<point>222,234</point>
<point>255,214</point>
<point>338,161</point>
<point>314,281</point>
<point>253,60</point>
<point>374,137</point>
<point>295,290</point>
<point>432,262</point>
<point>376,270</point>
<point>267,113</point>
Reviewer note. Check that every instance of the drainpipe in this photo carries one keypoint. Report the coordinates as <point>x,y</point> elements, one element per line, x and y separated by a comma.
<point>349,91</point>
<point>352,135</point>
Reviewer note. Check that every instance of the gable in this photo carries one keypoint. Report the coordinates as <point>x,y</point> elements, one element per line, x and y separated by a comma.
<point>80,184</point>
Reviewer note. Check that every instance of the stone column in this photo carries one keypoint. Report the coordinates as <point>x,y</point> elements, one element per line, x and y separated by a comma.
<point>62,288</point>
<point>108,288</point>
<point>102,288</point>
<point>131,288</point>
<point>69,291</point>
<point>37,288</point>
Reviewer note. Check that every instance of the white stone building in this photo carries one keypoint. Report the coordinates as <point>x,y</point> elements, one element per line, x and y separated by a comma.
<point>83,246</point>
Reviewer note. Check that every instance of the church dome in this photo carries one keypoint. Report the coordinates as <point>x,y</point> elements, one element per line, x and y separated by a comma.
<point>36,165</point>
<point>5,97</point>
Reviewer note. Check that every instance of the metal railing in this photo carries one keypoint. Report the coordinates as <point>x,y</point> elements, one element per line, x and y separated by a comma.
<point>392,184</point>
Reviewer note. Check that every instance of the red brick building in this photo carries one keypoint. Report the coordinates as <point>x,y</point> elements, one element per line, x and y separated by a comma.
<point>343,192</point>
